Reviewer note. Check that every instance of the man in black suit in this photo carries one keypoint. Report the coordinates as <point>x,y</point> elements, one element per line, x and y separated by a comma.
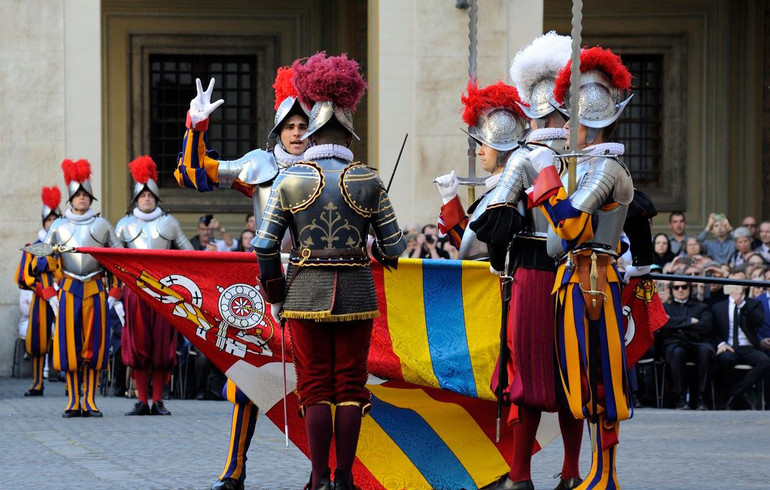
<point>737,341</point>
<point>688,335</point>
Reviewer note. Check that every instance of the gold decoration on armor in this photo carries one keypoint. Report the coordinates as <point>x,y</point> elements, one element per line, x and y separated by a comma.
<point>331,228</point>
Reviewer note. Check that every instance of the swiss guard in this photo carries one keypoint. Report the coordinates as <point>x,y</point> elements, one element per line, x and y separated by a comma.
<point>498,126</point>
<point>533,386</point>
<point>149,341</point>
<point>585,240</point>
<point>41,316</point>
<point>81,341</point>
<point>329,203</point>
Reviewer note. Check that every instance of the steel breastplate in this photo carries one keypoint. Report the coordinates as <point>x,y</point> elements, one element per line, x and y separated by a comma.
<point>328,221</point>
<point>76,234</point>
<point>141,234</point>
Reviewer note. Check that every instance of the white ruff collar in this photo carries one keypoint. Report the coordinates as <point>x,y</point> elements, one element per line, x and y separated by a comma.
<point>544,134</point>
<point>41,233</point>
<point>155,214</point>
<point>492,181</point>
<point>77,218</point>
<point>284,158</point>
<point>605,149</point>
<point>328,151</point>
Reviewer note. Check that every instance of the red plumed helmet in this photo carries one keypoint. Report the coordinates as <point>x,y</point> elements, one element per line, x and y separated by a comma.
<point>51,197</point>
<point>595,59</point>
<point>76,171</point>
<point>283,85</point>
<point>496,96</point>
<point>334,79</point>
<point>143,169</point>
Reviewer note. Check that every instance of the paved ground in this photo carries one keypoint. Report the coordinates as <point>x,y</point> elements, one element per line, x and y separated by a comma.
<point>660,449</point>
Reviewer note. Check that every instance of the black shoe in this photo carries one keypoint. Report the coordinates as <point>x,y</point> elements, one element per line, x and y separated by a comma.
<point>159,409</point>
<point>505,483</point>
<point>68,414</point>
<point>228,484</point>
<point>341,484</point>
<point>569,483</point>
<point>92,413</point>
<point>140,408</point>
<point>200,396</point>
<point>32,392</point>
<point>701,406</point>
<point>324,483</point>
<point>739,402</point>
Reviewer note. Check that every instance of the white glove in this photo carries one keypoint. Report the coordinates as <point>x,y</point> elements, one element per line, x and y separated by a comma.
<point>447,186</point>
<point>540,158</point>
<point>110,302</point>
<point>201,106</point>
<point>54,302</point>
<point>495,271</point>
<point>275,310</point>
<point>634,271</point>
<point>120,312</point>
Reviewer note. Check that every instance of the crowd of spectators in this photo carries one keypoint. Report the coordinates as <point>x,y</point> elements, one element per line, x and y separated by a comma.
<point>711,327</point>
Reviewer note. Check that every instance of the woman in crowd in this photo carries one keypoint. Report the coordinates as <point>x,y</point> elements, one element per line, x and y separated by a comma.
<point>662,246</point>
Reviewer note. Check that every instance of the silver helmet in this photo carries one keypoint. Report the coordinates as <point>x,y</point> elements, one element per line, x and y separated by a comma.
<point>73,187</point>
<point>51,197</point>
<point>323,112</point>
<point>534,71</point>
<point>600,104</point>
<point>150,185</point>
<point>499,128</point>
<point>288,107</point>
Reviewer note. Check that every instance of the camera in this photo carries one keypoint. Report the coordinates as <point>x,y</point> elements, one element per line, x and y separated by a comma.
<point>430,239</point>
<point>207,219</point>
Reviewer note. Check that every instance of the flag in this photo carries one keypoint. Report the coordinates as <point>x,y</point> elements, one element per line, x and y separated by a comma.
<point>644,314</point>
<point>433,350</point>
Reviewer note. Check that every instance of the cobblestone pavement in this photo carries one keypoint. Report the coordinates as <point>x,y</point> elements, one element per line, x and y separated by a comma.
<point>660,449</point>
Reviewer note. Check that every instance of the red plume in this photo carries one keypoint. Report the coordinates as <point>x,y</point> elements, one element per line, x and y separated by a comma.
<point>334,79</point>
<point>51,197</point>
<point>595,58</point>
<point>143,168</point>
<point>496,96</point>
<point>76,171</point>
<point>283,86</point>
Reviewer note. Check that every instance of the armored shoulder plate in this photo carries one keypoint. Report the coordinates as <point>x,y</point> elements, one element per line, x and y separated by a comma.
<point>100,230</point>
<point>59,232</point>
<point>128,229</point>
<point>360,187</point>
<point>167,227</point>
<point>300,185</point>
<point>600,179</point>
<point>255,167</point>
<point>517,176</point>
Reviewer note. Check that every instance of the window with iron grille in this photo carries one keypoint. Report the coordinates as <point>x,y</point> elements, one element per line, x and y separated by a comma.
<point>233,126</point>
<point>639,128</point>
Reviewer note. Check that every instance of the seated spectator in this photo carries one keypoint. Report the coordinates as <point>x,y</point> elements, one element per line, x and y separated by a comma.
<point>664,290</point>
<point>764,241</point>
<point>737,321</point>
<point>205,240</point>
<point>750,223</point>
<point>662,250</point>
<point>687,336</point>
<point>713,293</point>
<point>678,225</point>
<point>743,238</point>
<point>721,247</point>
<point>756,274</point>
<point>244,242</point>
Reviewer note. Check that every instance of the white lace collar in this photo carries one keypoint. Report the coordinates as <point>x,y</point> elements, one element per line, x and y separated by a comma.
<point>284,158</point>
<point>544,134</point>
<point>153,215</point>
<point>328,151</point>
<point>605,149</point>
<point>492,181</point>
<point>79,218</point>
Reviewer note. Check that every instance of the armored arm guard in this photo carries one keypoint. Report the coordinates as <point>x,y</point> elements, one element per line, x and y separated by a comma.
<point>513,181</point>
<point>390,238</point>
<point>267,244</point>
<point>607,178</point>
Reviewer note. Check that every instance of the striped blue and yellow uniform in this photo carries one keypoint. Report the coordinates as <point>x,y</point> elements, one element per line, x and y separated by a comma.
<point>242,427</point>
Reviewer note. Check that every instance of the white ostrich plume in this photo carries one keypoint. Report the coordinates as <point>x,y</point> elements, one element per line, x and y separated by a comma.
<point>542,58</point>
